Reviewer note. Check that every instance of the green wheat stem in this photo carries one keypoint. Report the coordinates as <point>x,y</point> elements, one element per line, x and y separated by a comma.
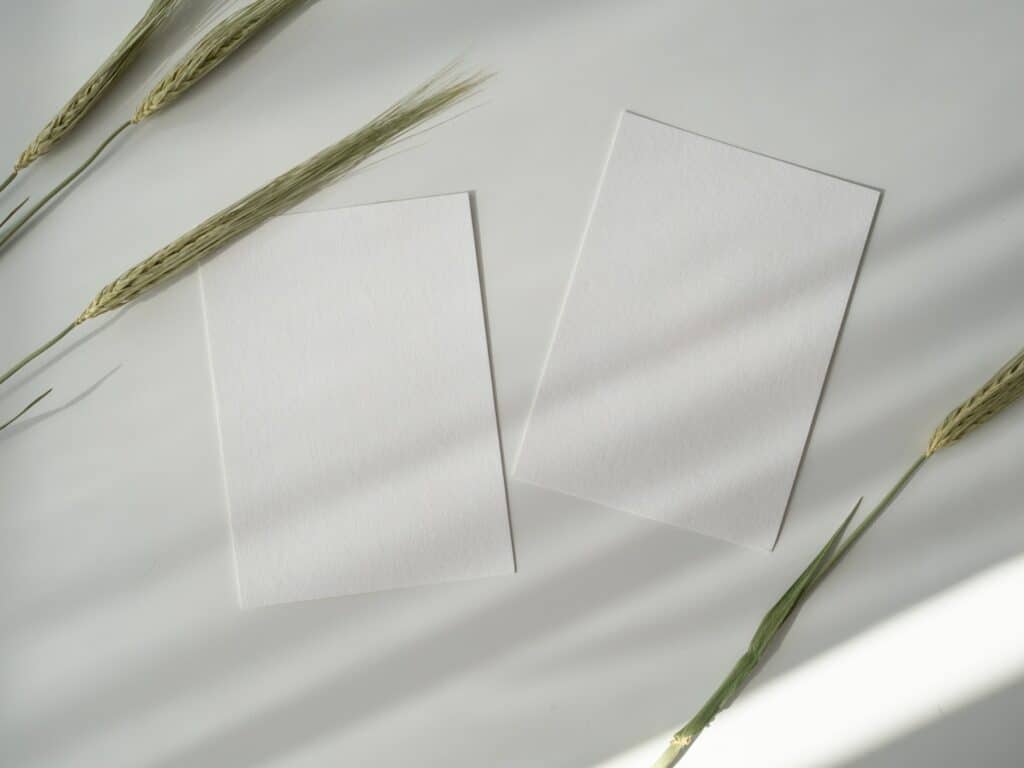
<point>435,96</point>
<point>1003,389</point>
<point>748,663</point>
<point>14,210</point>
<point>6,237</point>
<point>24,410</point>
<point>7,182</point>
<point>36,353</point>
<point>870,520</point>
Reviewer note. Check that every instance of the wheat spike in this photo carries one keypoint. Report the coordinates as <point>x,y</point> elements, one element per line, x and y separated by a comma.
<point>280,194</point>
<point>1006,386</point>
<point>287,190</point>
<point>213,48</point>
<point>86,97</point>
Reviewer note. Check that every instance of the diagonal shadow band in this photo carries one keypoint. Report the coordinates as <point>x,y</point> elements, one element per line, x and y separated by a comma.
<point>28,423</point>
<point>212,744</point>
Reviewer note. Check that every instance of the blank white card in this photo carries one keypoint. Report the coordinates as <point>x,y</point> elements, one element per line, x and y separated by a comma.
<point>355,405</point>
<point>696,333</point>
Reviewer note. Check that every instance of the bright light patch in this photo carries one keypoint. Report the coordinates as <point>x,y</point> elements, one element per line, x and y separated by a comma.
<point>938,656</point>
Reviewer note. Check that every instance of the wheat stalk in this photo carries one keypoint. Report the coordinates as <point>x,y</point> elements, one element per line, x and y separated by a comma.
<point>436,95</point>
<point>24,410</point>
<point>1004,388</point>
<point>86,97</point>
<point>212,49</point>
<point>13,211</point>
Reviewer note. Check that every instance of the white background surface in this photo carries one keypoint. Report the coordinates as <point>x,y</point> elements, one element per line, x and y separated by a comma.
<point>121,643</point>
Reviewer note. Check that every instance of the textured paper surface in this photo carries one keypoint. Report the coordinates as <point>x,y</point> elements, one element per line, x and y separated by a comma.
<point>355,403</point>
<point>696,333</point>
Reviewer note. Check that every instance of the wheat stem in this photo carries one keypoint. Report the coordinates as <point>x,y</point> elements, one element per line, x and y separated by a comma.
<point>870,520</point>
<point>14,210</point>
<point>287,190</point>
<point>748,663</point>
<point>6,237</point>
<point>36,353</point>
<point>7,182</point>
<point>1005,387</point>
<point>820,567</point>
<point>24,410</point>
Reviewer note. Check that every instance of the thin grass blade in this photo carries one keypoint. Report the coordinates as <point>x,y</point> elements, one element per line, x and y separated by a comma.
<point>8,235</point>
<point>14,210</point>
<point>763,636</point>
<point>24,410</point>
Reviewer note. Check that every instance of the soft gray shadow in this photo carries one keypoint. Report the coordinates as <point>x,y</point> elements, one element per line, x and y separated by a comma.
<point>37,368</point>
<point>976,734</point>
<point>27,423</point>
<point>620,364</point>
<point>497,631</point>
<point>582,694</point>
<point>438,654</point>
<point>831,363</point>
<point>551,602</point>
<point>489,632</point>
<point>475,216</point>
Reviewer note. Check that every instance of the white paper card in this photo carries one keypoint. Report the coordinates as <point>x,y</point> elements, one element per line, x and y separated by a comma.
<point>355,404</point>
<point>696,333</point>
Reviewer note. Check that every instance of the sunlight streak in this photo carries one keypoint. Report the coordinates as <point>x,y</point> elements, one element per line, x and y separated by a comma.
<point>939,656</point>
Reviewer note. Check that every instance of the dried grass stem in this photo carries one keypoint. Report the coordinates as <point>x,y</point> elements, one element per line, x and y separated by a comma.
<point>8,234</point>
<point>24,410</point>
<point>1004,388</point>
<point>287,190</point>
